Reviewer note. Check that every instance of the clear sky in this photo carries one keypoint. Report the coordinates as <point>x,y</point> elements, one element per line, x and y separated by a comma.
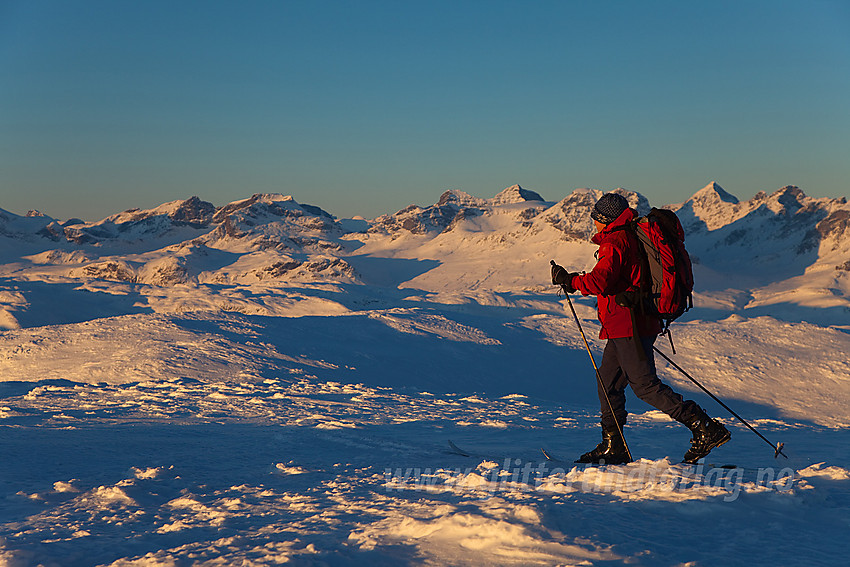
<point>364,107</point>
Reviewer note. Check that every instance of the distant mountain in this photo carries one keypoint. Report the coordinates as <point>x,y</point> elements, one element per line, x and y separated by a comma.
<point>571,216</point>
<point>188,241</point>
<point>16,226</point>
<point>515,194</point>
<point>774,232</point>
<point>192,211</point>
<point>453,208</point>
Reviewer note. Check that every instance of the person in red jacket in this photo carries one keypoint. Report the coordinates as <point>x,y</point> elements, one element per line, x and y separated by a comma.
<point>617,270</point>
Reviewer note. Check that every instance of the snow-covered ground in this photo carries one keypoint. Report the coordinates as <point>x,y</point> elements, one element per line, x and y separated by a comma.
<point>233,420</point>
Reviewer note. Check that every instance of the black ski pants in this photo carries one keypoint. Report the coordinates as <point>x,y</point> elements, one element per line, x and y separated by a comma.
<point>621,366</point>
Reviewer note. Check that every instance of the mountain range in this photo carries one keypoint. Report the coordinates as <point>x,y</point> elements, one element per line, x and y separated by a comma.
<point>779,249</point>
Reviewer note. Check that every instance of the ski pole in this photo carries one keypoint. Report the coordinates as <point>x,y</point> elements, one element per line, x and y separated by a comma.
<point>596,369</point>
<point>777,449</point>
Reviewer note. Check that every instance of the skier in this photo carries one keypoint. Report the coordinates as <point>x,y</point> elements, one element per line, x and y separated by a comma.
<point>617,270</point>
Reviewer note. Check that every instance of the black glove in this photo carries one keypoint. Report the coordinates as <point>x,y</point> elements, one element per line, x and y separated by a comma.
<point>562,277</point>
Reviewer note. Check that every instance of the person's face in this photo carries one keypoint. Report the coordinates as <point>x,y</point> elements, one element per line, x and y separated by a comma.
<point>599,226</point>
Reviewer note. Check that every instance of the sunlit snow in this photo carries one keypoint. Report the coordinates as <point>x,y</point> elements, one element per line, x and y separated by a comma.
<point>262,383</point>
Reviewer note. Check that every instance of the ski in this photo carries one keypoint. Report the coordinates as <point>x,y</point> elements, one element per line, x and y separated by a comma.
<point>453,449</point>
<point>728,466</point>
<point>551,457</point>
<point>714,466</point>
<point>708,466</point>
<point>457,450</point>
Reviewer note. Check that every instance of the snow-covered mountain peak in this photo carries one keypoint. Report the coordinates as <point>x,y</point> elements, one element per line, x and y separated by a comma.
<point>635,199</point>
<point>23,226</point>
<point>713,193</point>
<point>789,200</point>
<point>571,215</point>
<point>460,198</point>
<point>166,221</point>
<point>261,198</point>
<point>711,208</point>
<point>269,205</point>
<point>771,236</point>
<point>515,194</point>
<point>265,198</point>
<point>192,211</point>
<point>8,217</point>
<point>452,207</point>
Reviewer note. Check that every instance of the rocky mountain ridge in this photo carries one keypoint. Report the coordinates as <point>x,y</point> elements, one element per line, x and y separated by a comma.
<point>270,237</point>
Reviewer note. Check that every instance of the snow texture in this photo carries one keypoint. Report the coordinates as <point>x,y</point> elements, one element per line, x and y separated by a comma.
<point>263,383</point>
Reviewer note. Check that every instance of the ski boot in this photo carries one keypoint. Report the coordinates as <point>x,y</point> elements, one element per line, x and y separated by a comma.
<point>612,450</point>
<point>708,434</point>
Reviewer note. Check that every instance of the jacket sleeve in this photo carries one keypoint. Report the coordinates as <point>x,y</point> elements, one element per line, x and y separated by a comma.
<point>604,279</point>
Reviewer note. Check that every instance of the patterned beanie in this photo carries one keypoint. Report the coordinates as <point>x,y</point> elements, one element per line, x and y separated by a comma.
<point>609,207</point>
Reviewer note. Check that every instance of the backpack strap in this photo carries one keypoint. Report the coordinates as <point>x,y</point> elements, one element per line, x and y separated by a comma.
<point>633,299</point>
<point>645,272</point>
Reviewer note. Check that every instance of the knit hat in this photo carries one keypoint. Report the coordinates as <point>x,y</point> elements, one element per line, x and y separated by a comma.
<point>609,207</point>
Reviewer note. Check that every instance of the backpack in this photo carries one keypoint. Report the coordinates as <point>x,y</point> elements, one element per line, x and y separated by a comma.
<point>666,275</point>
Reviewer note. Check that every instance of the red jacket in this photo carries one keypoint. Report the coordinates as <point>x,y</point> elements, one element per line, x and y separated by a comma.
<point>617,269</point>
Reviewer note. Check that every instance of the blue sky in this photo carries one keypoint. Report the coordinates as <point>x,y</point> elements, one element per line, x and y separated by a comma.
<point>366,107</point>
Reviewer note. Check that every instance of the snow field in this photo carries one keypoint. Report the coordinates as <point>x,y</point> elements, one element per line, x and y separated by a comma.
<point>223,437</point>
<point>358,474</point>
<point>259,383</point>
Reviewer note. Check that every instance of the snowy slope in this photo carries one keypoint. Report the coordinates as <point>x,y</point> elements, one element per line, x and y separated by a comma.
<point>262,382</point>
<point>238,438</point>
<point>165,439</point>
